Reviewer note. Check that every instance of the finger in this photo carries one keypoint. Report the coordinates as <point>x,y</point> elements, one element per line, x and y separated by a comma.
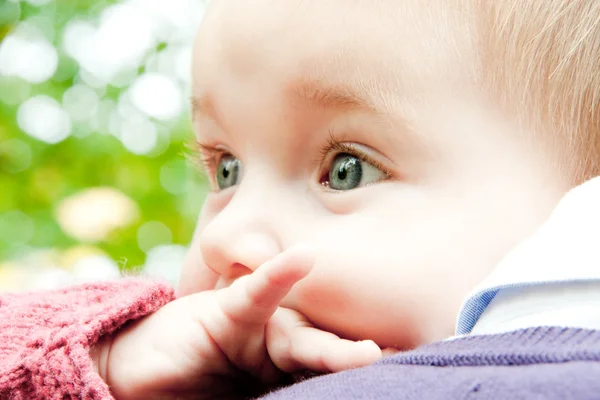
<point>254,298</point>
<point>294,345</point>
<point>389,351</point>
<point>323,351</point>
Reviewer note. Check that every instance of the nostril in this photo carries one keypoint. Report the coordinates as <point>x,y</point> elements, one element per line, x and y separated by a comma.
<point>236,271</point>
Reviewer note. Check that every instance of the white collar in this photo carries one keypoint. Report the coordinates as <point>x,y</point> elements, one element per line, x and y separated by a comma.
<point>573,304</point>
<point>565,249</point>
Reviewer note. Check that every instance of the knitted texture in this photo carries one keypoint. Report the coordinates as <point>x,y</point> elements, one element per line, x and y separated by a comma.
<point>45,337</point>
<point>45,340</point>
<point>522,347</point>
<point>536,363</point>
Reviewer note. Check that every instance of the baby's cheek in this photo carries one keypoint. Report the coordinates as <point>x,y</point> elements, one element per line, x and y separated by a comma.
<point>352,312</point>
<point>195,275</point>
<point>314,297</point>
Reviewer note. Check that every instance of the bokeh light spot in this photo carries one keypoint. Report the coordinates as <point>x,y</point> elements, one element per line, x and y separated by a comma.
<point>93,214</point>
<point>69,70</point>
<point>152,234</point>
<point>158,96</point>
<point>76,36</point>
<point>100,121</point>
<point>81,102</point>
<point>183,64</point>
<point>120,42</point>
<point>33,59</point>
<point>42,117</point>
<point>95,268</point>
<point>165,261</point>
<point>138,135</point>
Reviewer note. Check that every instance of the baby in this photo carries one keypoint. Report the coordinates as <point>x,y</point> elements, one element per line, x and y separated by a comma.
<point>371,162</point>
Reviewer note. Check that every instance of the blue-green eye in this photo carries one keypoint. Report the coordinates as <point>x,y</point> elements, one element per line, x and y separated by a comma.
<point>349,172</point>
<point>228,172</point>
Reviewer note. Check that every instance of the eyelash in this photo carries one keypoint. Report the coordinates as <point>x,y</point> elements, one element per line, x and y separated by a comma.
<point>208,157</point>
<point>335,146</point>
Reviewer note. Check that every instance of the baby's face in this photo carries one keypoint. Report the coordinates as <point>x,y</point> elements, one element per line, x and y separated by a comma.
<point>358,127</point>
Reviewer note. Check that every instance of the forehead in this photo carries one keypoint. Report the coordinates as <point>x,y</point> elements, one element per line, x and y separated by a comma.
<point>373,46</point>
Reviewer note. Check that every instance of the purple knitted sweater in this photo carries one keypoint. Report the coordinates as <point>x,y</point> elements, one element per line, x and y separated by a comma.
<point>536,363</point>
<point>45,340</point>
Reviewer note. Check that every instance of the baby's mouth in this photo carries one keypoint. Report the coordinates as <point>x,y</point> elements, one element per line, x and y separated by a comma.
<point>234,272</point>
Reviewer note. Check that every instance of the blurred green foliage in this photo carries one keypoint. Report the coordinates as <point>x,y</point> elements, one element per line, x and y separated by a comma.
<point>36,176</point>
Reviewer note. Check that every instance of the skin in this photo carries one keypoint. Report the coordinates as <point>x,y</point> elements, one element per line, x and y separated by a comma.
<point>286,273</point>
<point>231,343</point>
<point>462,182</point>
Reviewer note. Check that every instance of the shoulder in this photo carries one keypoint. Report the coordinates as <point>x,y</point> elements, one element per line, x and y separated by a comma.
<point>575,380</point>
<point>549,363</point>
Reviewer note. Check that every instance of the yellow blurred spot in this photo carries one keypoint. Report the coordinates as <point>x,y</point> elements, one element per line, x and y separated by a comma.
<point>92,214</point>
<point>11,277</point>
<point>77,253</point>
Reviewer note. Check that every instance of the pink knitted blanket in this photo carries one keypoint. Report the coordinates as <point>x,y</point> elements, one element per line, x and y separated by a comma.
<point>45,337</point>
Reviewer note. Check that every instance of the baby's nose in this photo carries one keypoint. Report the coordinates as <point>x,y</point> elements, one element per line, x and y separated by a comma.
<point>237,252</point>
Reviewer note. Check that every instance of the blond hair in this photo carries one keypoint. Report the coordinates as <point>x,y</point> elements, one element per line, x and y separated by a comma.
<point>543,57</point>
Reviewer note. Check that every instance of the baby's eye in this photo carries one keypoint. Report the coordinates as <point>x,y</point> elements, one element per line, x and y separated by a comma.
<point>228,172</point>
<point>348,172</point>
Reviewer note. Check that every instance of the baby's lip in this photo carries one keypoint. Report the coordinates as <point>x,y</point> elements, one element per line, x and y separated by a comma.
<point>236,271</point>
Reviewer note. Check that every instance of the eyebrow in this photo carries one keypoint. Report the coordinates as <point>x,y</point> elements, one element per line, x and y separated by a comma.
<point>202,104</point>
<point>301,94</point>
<point>332,97</point>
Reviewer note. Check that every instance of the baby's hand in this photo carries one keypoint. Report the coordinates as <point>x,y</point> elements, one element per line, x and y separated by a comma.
<point>225,343</point>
